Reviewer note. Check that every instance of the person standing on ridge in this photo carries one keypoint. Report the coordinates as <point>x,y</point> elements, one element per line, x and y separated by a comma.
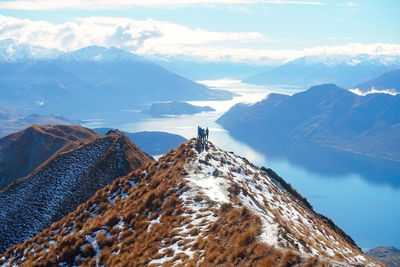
<point>198,132</point>
<point>207,133</point>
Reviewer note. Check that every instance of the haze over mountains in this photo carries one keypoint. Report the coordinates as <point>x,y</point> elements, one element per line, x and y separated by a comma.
<point>12,120</point>
<point>208,208</point>
<point>64,181</point>
<point>389,81</point>
<point>345,71</point>
<point>89,80</point>
<point>327,115</point>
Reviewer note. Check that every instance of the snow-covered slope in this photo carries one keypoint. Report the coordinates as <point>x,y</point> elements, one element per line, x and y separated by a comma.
<point>101,54</point>
<point>66,180</point>
<point>11,51</point>
<point>195,209</point>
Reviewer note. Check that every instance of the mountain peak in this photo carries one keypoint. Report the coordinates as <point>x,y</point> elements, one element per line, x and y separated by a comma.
<point>12,51</point>
<point>188,207</point>
<point>29,148</point>
<point>101,54</point>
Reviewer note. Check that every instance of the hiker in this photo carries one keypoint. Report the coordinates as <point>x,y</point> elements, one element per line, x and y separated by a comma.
<point>198,132</point>
<point>207,133</point>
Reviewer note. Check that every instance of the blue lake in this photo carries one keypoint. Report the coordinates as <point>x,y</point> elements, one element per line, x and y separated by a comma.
<point>361,194</point>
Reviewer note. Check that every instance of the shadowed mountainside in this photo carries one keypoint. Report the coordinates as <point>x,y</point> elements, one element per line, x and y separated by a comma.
<point>327,115</point>
<point>387,255</point>
<point>33,203</point>
<point>387,81</point>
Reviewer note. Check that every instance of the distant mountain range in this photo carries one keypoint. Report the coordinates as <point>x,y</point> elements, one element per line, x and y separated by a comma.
<point>91,79</point>
<point>212,208</point>
<point>197,70</point>
<point>12,120</point>
<point>67,179</point>
<point>153,143</point>
<point>344,71</point>
<point>327,115</point>
<point>389,81</point>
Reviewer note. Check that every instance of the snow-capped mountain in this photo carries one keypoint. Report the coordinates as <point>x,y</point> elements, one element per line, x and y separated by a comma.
<point>11,51</point>
<point>343,70</point>
<point>89,80</point>
<point>193,208</point>
<point>101,54</point>
<point>57,187</point>
<point>24,151</point>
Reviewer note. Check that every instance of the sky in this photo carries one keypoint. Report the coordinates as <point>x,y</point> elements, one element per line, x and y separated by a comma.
<point>251,31</point>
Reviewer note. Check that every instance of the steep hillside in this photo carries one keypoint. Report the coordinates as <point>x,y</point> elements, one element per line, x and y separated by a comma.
<point>388,81</point>
<point>66,180</point>
<point>327,115</point>
<point>22,152</point>
<point>195,209</point>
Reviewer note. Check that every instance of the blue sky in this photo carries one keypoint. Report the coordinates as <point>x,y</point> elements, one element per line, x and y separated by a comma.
<point>231,28</point>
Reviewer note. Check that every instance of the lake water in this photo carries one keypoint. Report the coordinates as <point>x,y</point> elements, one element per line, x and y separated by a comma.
<point>361,194</point>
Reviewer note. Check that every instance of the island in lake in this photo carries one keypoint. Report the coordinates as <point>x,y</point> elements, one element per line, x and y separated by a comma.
<point>175,108</point>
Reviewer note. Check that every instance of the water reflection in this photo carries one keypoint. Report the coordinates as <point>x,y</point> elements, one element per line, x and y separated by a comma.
<point>327,162</point>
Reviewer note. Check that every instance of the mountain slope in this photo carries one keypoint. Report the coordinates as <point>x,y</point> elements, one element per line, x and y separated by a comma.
<point>388,81</point>
<point>116,70</point>
<point>327,115</point>
<point>388,255</point>
<point>22,152</point>
<point>195,209</point>
<point>43,87</point>
<point>31,204</point>
<point>93,79</point>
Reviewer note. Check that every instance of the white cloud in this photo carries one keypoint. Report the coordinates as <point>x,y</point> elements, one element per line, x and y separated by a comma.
<point>357,91</point>
<point>159,38</point>
<point>351,4</point>
<point>117,4</point>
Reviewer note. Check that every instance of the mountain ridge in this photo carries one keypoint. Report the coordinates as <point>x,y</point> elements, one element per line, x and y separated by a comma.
<point>191,208</point>
<point>24,151</point>
<point>64,181</point>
